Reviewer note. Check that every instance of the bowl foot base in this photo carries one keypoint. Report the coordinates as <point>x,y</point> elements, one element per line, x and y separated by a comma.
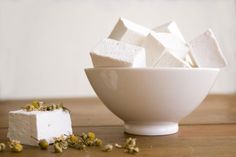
<point>163,128</point>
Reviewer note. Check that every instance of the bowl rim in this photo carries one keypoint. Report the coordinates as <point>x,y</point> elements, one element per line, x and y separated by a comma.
<point>153,69</point>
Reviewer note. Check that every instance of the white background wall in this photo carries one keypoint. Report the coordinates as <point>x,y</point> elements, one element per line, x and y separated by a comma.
<point>44,44</point>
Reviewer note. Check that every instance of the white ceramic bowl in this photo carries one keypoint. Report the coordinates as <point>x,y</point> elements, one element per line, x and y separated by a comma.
<point>151,101</point>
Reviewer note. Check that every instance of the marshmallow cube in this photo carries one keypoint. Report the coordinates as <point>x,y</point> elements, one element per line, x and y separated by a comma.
<point>206,52</point>
<point>25,126</point>
<point>170,27</point>
<point>112,53</point>
<point>167,59</point>
<point>129,32</point>
<point>156,43</point>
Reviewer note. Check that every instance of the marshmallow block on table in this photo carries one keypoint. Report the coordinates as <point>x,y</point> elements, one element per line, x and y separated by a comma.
<point>167,59</point>
<point>129,32</point>
<point>156,43</point>
<point>170,27</point>
<point>206,52</point>
<point>112,53</point>
<point>46,125</point>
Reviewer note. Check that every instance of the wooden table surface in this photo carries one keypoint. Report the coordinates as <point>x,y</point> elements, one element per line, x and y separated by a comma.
<point>210,131</point>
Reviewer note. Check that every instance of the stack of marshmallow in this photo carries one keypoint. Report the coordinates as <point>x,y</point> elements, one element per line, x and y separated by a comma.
<point>132,45</point>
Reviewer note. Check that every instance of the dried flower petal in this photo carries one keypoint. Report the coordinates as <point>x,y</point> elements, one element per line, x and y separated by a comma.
<point>2,147</point>
<point>130,142</point>
<point>41,106</point>
<point>108,148</point>
<point>15,146</point>
<point>91,135</point>
<point>132,150</point>
<point>43,144</point>
<point>118,146</point>
<point>58,148</point>
<point>98,142</point>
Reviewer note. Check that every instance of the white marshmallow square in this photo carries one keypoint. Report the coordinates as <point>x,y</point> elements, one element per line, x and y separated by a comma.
<point>206,52</point>
<point>156,43</point>
<point>112,53</point>
<point>46,125</point>
<point>170,27</point>
<point>167,59</point>
<point>129,32</point>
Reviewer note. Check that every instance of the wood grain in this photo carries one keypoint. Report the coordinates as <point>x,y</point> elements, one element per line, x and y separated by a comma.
<point>215,109</point>
<point>210,131</point>
<point>191,140</point>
